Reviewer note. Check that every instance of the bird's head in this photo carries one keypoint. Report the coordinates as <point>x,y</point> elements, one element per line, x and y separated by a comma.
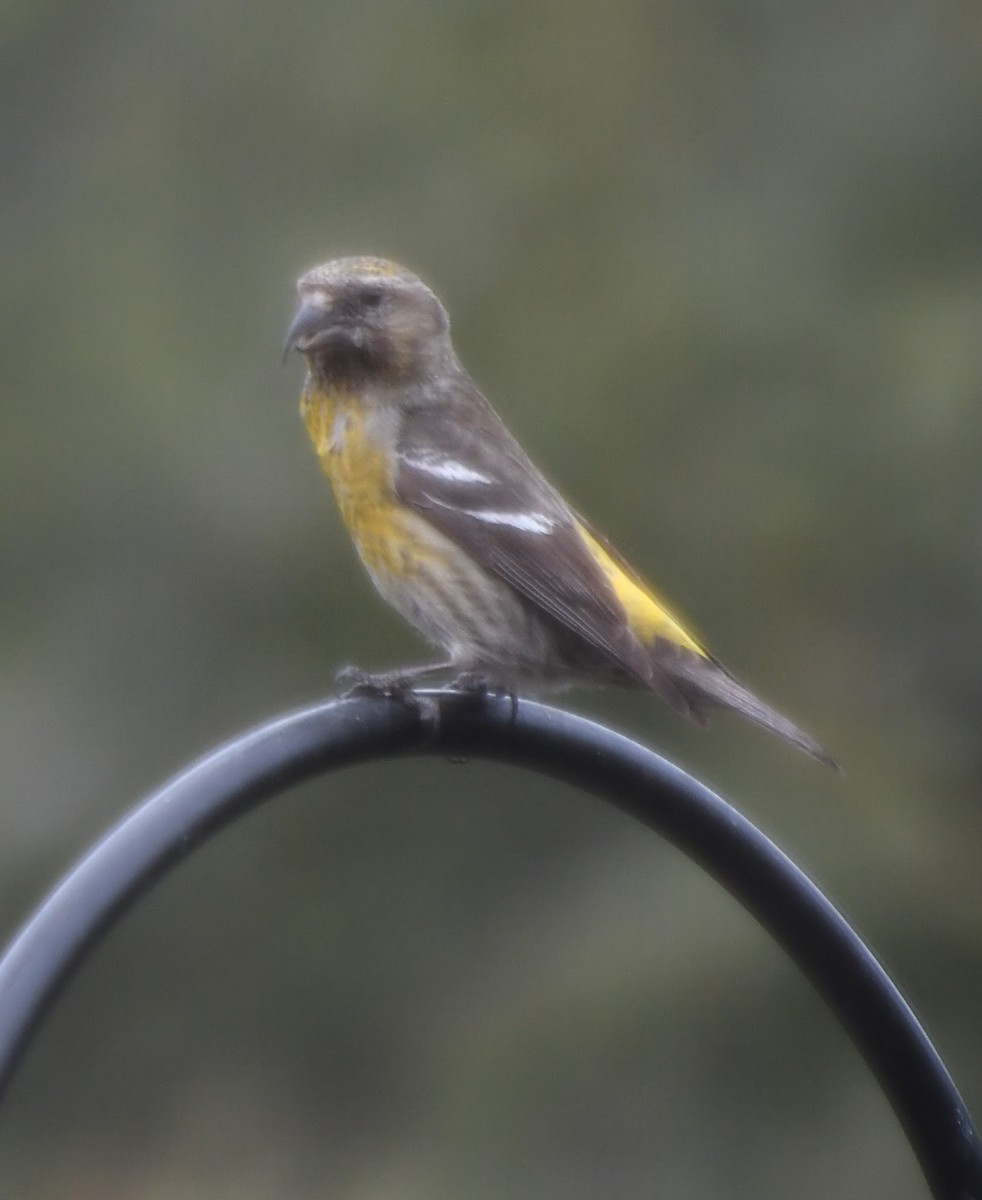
<point>368,319</point>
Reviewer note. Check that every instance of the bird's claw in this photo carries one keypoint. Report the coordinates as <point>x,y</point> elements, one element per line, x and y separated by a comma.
<point>392,685</point>
<point>367,683</point>
<point>480,687</point>
<point>473,682</point>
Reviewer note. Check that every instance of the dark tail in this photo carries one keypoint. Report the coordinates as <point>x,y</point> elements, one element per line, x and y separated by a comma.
<point>703,680</point>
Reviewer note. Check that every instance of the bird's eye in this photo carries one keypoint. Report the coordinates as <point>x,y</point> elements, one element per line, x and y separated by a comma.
<point>371,298</point>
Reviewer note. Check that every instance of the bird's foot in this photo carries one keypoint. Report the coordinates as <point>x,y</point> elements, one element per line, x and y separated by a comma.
<point>394,685</point>
<point>475,682</point>
<point>357,682</point>
<point>480,686</point>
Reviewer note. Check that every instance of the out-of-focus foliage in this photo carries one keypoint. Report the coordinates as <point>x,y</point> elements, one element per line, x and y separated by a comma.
<point>720,268</point>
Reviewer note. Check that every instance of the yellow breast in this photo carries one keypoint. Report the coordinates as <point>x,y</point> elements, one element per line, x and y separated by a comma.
<point>357,456</point>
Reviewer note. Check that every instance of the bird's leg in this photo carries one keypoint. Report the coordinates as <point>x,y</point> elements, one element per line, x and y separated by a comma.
<point>398,685</point>
<point>387,683</point>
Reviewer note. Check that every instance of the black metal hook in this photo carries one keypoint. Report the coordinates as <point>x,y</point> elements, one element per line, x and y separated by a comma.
<point>266,761</point>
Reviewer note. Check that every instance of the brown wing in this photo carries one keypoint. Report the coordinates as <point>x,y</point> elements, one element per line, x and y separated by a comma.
<point>462,470</point>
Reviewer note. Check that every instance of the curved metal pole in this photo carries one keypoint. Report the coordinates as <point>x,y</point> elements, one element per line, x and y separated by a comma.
<point>268,760</point>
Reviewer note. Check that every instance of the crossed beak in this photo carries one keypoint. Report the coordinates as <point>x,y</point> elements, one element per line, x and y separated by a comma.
<point>311,325</point>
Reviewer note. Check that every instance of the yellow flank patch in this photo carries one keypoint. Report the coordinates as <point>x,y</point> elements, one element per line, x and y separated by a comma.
<point>360,474</point>
<point>646,615</point>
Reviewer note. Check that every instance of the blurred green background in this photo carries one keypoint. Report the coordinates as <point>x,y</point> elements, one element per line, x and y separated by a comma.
<point>719,266</point>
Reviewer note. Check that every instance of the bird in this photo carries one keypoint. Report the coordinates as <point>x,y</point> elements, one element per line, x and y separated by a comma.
<point>458,529</point>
